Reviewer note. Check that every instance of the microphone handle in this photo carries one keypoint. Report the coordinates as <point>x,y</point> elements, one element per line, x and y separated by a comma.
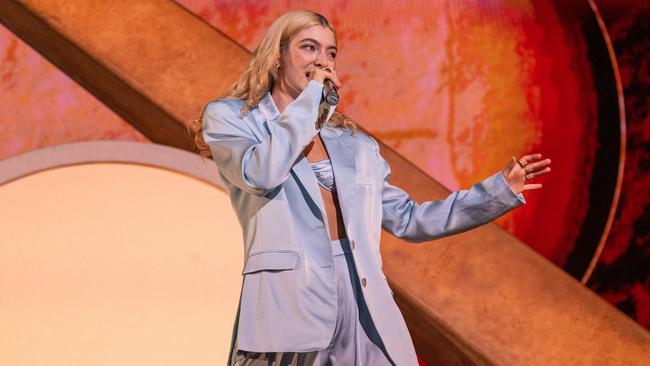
<point>330,94</point>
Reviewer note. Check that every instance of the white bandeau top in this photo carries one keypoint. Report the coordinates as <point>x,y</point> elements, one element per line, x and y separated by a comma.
<point>324,174</point>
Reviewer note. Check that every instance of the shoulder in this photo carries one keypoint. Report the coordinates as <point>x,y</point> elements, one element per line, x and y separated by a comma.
<point>223,113</point>
<point>223,117</point>
<point>225,108</point>
<point>362,139</point>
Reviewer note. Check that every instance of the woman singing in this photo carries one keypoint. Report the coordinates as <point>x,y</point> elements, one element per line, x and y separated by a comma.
<point>312,194</point>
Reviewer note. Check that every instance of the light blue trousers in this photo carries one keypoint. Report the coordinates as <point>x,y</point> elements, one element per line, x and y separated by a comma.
<point>355,342</point>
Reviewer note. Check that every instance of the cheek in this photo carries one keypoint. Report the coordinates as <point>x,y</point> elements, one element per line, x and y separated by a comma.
<point>302,59</point>
<point>299,67</point>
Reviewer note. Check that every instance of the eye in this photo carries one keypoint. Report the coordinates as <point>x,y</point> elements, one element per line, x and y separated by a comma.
<point>310,46</point>
<point>333,55</point>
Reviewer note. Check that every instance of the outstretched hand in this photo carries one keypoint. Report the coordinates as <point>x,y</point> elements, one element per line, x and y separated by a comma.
<point>518,172</point>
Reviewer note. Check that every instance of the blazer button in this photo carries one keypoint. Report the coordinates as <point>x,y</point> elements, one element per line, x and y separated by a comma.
<point>352,244</point>
<point>363,282</point>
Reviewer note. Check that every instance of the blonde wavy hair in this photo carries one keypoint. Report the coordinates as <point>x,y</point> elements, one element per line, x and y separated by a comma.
<point>261,73</point>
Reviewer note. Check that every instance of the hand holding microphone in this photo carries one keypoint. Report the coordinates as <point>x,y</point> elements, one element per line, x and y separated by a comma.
<point>330,81</point>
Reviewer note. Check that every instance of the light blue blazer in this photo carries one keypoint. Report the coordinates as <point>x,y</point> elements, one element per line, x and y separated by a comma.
<point>288,299</point>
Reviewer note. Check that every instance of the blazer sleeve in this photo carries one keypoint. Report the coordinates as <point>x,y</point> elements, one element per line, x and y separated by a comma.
<point>259,165</point>
<point>460,211</point>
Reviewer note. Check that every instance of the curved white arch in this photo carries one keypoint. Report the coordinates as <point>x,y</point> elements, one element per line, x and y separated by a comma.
<point>127,152</point>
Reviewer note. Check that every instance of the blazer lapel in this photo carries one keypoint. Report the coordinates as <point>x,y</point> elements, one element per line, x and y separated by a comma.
<point>342,152</point>
<point>306,180</point>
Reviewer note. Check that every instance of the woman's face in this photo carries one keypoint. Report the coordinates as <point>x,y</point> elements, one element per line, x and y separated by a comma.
<point>312,47</point>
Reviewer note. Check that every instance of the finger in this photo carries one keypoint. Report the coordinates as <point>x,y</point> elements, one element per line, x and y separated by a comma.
<point>536,166</point>
<point>513,161</point>
<point>323,75</point>
<point>511,165</point>
<point>538,173</point>
<point>531,186</point>
<point>529,158</point>
<point>318,74</point>
<point>334,78</point>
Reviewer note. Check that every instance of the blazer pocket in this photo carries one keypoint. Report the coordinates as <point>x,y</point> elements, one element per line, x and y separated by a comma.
<point>271,260</point>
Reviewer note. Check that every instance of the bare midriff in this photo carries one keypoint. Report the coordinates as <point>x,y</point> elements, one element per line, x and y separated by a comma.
<point>314,152</point>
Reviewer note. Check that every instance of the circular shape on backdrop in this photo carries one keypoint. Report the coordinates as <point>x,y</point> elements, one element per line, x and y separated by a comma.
<point>118,253</point>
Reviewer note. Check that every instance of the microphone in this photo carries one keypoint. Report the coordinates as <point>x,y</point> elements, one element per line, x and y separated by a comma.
<point>329,93</point>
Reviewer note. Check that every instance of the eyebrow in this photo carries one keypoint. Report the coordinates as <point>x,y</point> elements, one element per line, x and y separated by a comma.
<point>318,43</point>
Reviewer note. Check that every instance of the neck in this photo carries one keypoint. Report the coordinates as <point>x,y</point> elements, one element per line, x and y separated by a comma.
<point>281,95</point>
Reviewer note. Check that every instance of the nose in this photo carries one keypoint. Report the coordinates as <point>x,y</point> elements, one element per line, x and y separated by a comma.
<point>321,60</point>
